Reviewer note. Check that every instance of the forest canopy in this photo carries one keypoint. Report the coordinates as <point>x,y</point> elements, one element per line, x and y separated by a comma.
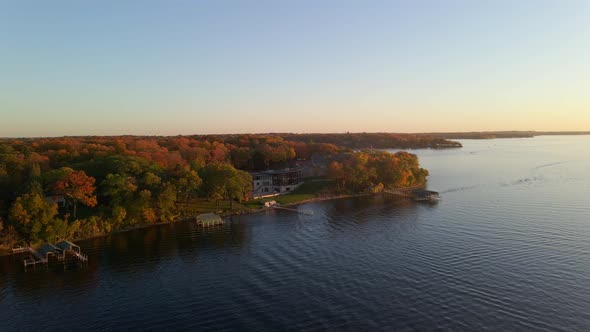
<point>80,187</point>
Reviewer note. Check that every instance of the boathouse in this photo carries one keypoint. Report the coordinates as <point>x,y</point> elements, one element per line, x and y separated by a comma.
<point>67,245</point>
<point>65,252</point>
<point>209,219</point>
<point>47,250</point>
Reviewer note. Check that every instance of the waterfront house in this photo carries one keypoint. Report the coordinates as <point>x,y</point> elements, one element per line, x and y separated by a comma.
<point>276,182</point>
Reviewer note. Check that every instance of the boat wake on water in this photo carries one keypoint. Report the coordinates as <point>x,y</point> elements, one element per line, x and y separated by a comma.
<point>549,165</point>
<point>452,190</point>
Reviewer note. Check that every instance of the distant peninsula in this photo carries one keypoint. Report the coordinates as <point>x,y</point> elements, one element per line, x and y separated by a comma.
<point>499,134</point>
<point>81,187</point>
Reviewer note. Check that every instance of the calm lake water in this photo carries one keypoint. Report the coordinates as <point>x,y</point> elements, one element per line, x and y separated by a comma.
<point>506,249</point>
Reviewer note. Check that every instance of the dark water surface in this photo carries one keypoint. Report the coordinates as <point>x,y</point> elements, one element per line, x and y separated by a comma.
<point>507,249</point>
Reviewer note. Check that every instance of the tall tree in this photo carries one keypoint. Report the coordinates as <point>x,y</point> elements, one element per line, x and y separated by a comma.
<point>223,181</point>
<point>30,214</point>
<point>238,186</point>
<point>118,188</point>
<point>336,172</point>
<point>76,186</point>
<point>188,183</point>
<point>167,203</point>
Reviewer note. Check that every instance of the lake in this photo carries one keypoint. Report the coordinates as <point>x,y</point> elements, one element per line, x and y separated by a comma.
<point>506,249</point>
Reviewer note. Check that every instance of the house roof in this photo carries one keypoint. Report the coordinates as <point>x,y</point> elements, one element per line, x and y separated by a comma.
<point>47,248</point>
<point>63,245</point>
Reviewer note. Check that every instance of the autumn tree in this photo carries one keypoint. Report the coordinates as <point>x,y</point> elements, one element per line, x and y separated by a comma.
<point>148,213</point>
<point>151,181</point>
<point>77,187</point>
<point>336,172</point>
<point>364,170</point>
<point>356,171</point>
<point>32,215</point>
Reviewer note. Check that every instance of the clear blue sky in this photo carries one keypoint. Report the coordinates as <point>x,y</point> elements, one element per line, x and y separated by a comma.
<point>184,67</point>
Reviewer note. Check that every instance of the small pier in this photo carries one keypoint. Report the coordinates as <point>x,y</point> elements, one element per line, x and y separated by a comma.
<point>62,252</point>
<point>21,250</point>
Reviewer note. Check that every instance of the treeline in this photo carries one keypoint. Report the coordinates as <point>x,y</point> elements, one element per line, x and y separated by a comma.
<point>376,140</point>
<point>484,135</point>
<point>77,187</point>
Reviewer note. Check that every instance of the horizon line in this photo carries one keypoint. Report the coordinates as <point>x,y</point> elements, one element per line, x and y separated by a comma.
<point>539,132</point>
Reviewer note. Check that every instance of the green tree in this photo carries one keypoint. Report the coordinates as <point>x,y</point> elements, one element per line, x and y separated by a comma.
<point>238,186</point>
<point>214,177</point>
<point>188,183</point>
<point>31,214</point>
<point>118,188</point>
<point>151,181</point>
<point>223,181</point>
<point>119,214</point>
<point>166,203</point>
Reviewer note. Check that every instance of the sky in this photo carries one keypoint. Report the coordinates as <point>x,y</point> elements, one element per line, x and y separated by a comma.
<point>172,67</point>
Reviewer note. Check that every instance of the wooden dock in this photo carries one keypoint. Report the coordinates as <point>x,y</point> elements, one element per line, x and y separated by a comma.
<point>21,250</point>
<point>34,259</point>
<point>64,252</point>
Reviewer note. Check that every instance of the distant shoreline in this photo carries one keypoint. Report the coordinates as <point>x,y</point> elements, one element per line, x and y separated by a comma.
<point>503,134</point>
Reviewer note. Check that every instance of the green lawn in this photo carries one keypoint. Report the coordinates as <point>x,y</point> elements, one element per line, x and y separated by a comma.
<point>308,190</point>
<point>201,205</point>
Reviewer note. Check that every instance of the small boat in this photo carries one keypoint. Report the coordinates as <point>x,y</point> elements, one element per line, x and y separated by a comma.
<point>423,195</point>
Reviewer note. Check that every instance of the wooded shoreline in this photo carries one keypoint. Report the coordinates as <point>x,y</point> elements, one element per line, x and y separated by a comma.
<point>81,187</point>
<point>7,252</point>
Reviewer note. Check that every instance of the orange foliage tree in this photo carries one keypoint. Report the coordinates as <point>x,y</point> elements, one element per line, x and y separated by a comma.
<point>76,186</point>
